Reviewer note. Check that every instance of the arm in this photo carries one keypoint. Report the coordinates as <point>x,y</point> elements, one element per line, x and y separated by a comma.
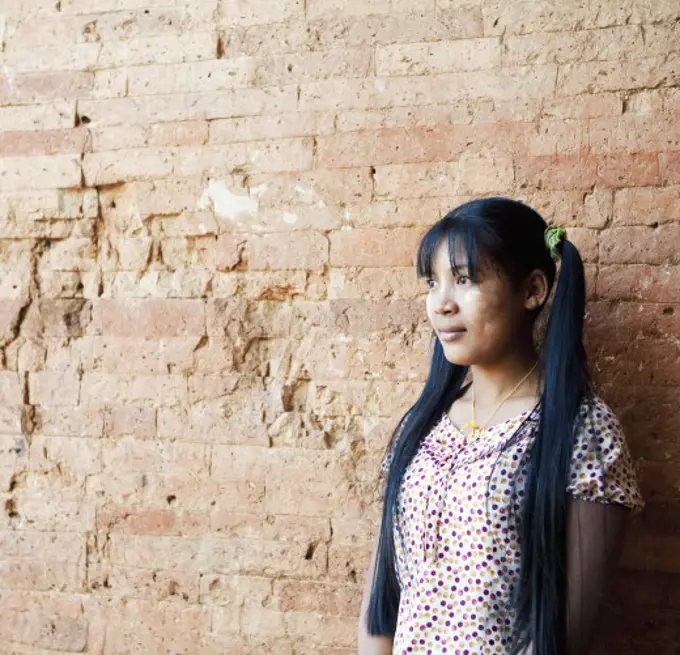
<point>369,644</point>
<point>594,539</point>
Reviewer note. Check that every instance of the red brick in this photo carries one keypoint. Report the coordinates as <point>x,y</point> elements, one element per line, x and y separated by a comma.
<point>582,172</point>
<point>631,133</point>
<point>670,167</point>
<point>116,519</point>
<point>647,205</point>
<point>375,248</point>
<point>640,282</point>
<point>640,245</point>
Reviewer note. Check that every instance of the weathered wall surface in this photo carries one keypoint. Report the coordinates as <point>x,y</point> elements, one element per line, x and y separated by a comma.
<point>209,321</point>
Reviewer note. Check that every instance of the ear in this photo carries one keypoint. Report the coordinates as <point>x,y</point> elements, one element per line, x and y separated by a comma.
<point>535,290</point>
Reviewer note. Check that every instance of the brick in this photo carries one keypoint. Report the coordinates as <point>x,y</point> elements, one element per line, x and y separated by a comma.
<point>39,172</point>
<point>255,128</point>
<point>213,161</point>
<point>103,390</point>
<point>413,145</point>
<point>639,282</point>
<point>646,205</point>
<point>69,421</point>
<point>174,49</point>
<point>133,456</point>
<point>185,284</point>
<point>26,144</point>
<point>275,528</point>
<point>502,84</point>
<point>440,57</point>
<point>640,245</point>
<point>178,523</point>
<point>374,248</point>
<point>182,134</point>
<point>305,250</point>
<point>53,389</point>
<point>184,107</point>
<point>670,167</point>
<point>148,318</point>
<point>631,133</point>
<point>321,597</point>
<point>562,47</point>
<point>582,172</point>
<point>135,422</point>
<point>257,12</point>
<point>374,283</point>
<point>559,137</point>
<point>41,88</point>
<point>475,172</point>
<point>527,17</point>
<point>591,105</point>
<point>596,77</point>
<point>57,115</point>
<point>80,57</point>
<point>337,31</point>
<point>39,575</point>
<point>301,479</point>
<point>323,8</point>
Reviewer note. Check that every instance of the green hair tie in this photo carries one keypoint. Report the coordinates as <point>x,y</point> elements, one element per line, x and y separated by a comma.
<point>553,239</point>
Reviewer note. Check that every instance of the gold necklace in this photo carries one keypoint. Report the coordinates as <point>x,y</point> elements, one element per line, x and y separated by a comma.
<point>476,430</point>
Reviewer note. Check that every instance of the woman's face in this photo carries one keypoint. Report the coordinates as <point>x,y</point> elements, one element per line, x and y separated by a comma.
<point>477,322</point>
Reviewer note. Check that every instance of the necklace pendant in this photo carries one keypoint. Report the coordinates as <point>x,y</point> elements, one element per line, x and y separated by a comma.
<point>475,430</point>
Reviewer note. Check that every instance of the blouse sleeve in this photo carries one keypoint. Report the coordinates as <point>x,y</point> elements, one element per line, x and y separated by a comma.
<point>601,467</point>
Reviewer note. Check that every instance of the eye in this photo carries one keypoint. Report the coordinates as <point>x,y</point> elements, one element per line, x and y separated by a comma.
<point>430,283</point>
<point>463,280</point>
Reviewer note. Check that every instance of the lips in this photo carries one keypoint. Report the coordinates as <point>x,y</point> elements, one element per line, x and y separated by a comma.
<point>451,333</point>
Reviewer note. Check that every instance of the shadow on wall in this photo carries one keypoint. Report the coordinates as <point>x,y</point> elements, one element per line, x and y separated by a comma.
<point>634,358</point>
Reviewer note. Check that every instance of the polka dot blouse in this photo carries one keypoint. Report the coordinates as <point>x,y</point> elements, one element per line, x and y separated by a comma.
<point>457,538</point>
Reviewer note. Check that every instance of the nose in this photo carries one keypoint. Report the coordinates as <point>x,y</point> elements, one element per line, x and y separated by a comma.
<point>445,304</point>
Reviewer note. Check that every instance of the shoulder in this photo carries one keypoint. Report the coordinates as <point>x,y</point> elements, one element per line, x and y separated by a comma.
<point>602,467</point>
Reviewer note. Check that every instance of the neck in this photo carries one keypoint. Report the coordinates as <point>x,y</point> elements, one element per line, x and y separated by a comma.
<point>493,381</point>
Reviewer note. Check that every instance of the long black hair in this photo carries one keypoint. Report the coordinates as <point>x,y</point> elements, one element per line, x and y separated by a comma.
<point>510,236</point>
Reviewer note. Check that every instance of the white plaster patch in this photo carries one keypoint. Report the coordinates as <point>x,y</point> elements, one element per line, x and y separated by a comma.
<point>289,218</point>
<point>227,204</point>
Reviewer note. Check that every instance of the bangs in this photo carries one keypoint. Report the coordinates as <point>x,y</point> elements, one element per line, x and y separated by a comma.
<point>468,243</point>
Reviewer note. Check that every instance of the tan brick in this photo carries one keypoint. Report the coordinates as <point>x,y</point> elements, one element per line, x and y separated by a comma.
<point>440,57</point>
<point>255,128</point>
<point>79,57</point>
<point>52,388</point>
<point>174,49</point>
<point>276,528</point>
<point>528,17</point>
<point>39,172</point>
<point>189,133</point>
<point>69,421</point>
<point>38,88</point>
<point>196,106</point>
<point>104,390</point>
<point>305,250</point>
<point>57,115</point>
<point>590,105</point>
<point>329,599</point>
<point>561,47</point>
<point>356,31</point>
<point>648,133</point>
<point>596,77</point>
<point>257,12</point>
<point>323,8</point>
<point>501,84</point>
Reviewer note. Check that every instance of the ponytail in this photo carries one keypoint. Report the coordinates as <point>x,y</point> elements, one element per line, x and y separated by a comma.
<point>541,602</point>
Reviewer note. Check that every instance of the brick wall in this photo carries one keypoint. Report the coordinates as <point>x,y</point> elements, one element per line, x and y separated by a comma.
<point>209,321</point>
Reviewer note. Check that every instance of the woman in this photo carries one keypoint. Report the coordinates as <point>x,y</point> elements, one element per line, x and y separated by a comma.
<point>509,478</point>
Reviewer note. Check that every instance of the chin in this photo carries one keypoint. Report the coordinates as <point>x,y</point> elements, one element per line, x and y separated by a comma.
<point>456,355</point>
